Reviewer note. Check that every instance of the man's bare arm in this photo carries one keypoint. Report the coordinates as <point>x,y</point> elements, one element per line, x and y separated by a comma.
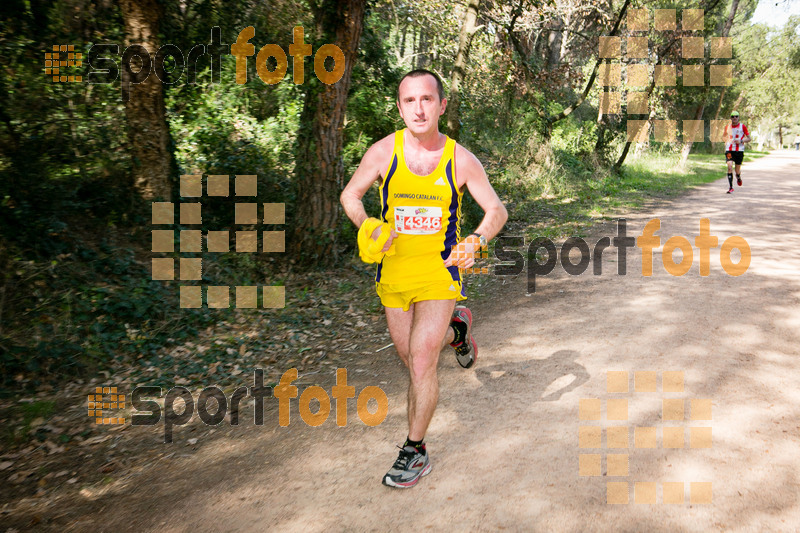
<point>471,173</point>
<point>474,176</point>
<point>368,171</point>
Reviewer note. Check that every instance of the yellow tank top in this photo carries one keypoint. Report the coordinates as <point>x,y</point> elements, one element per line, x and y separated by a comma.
<point>425,211</point>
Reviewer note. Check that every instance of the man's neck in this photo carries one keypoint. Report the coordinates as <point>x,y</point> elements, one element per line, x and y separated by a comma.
<point>431,141</point>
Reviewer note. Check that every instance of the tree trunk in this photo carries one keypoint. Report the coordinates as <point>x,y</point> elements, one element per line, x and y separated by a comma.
<point>719,105</point>
<point>698,114</point>
<point>565,40</point>
<point>422,55</point>
<point>554,42</point>
<point>622,156</point>
<point>726,30</point>
<point>148,133</point>
<point>319,170</point>
<point>627,147</point>
<point>412,64</point>
<point>600,144</point>
<point>468,30</point>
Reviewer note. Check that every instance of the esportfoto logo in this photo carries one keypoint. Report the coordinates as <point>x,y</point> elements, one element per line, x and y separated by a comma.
<point>138,63</point>
<point>212,405</point>
<point>511,261</point>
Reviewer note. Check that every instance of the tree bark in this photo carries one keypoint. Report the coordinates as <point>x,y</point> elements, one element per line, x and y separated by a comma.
<point>599,145</point>
<point>148,133</point>
<point>698,114</point>
<point>627,147</point>
<point>423,58</point>
<point>319,170</point>
<point>468,30</point>
<point>726,30</point>
<point>554,43</point>
<point>719,105</point>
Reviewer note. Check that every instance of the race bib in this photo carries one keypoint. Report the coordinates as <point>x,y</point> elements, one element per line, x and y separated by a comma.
<point>417,220</point>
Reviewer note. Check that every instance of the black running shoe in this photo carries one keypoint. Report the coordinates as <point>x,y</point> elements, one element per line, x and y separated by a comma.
<point>466,350</point>
<point>407,469</point>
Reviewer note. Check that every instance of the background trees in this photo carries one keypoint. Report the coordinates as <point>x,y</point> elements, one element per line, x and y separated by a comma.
<point>769,80</point>
<point>79,162</point>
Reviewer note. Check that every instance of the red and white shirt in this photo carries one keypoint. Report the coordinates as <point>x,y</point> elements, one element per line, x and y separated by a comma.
<point>734,135</point>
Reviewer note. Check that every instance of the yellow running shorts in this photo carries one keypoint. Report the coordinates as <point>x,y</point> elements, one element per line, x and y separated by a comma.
<point>403,295</point>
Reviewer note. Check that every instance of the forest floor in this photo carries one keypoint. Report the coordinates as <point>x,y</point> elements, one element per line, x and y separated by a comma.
<point>507,445</point>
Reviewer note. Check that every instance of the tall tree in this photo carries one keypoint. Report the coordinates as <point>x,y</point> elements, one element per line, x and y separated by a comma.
<point>593,76</point>
<point>650,116</point>
<point>768,80</point>
<point>148,133</point>
<point>319,171</point>
<point>468,29</point>
<point>661,53</point>
<point>553,48</point>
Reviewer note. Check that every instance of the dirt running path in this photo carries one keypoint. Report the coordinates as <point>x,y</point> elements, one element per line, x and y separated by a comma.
<point>504,441</point>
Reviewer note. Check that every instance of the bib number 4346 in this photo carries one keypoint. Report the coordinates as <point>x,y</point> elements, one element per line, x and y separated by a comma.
<point>418,220</point>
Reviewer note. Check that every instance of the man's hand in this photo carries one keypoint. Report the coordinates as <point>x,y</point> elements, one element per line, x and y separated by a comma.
<point>463,254</point>
<point>377,233</point>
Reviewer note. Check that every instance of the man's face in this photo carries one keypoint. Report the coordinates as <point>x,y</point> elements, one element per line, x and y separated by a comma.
<point>419,104</point>
<point>735,120</point>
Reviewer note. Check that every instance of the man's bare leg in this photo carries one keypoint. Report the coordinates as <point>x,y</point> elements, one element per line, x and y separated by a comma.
<point>400,322</point>
<point>419,335</point>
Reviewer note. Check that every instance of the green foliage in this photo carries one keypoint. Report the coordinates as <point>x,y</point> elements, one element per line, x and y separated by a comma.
<point>62,155</point>
<point>770,80</point>
<point>26,413</point>
<point>65,321</point>
<point>216,132</point>
<point>74,233</point>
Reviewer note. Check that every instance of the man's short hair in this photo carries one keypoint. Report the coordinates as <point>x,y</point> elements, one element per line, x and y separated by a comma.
<point>416,73</point>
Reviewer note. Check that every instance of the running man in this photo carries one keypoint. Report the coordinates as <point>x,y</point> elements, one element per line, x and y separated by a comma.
<point>737,135</point>
<point>416,242</point>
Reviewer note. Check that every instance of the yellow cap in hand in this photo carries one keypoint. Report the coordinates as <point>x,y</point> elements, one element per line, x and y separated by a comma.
<point>368,249</point>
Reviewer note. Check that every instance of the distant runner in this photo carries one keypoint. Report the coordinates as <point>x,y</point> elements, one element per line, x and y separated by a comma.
<point>737,136</point>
